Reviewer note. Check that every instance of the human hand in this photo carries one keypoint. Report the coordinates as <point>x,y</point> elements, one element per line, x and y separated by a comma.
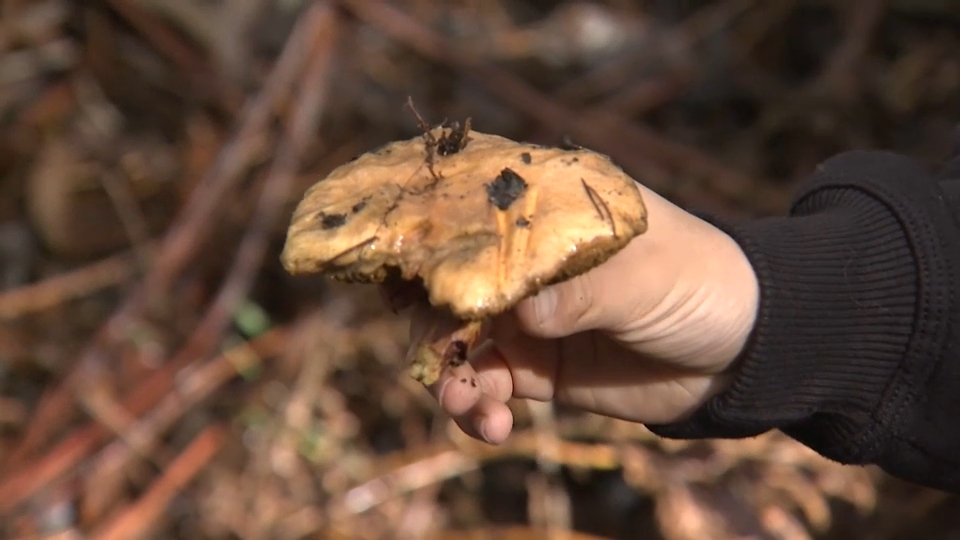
<point>648,336</point>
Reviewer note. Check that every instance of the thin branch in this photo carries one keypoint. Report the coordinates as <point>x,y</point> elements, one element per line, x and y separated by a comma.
<point>68,286</point>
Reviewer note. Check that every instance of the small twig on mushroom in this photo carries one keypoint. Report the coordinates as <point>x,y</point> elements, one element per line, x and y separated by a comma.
<point>640,150</point>
<point>430,142</point>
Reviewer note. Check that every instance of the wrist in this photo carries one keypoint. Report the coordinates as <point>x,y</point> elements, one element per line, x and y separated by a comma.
<point>732,312</point>
<point>707,304</point>
<point>838,291</point>
<point>707,307</point>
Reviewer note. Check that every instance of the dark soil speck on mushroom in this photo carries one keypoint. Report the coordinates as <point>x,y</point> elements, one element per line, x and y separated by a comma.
<point>454,141</point>
<point>332,221</point>
<point>459,350</point>
<point>359,206</point>
<point>506,188</point>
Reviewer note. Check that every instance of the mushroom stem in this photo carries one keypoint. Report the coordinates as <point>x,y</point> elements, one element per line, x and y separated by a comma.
<point>445,341</point>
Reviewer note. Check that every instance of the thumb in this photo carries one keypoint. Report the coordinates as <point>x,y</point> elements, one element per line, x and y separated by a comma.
<point>598,299</point>
<point>637,284</point>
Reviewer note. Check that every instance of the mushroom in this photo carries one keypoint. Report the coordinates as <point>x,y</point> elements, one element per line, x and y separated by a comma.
<point>470,222</point>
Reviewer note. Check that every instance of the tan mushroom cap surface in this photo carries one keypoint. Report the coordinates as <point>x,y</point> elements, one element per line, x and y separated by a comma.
<point>486,227</point>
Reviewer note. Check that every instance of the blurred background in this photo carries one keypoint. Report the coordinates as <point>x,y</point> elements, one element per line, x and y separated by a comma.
<point>162,377</point>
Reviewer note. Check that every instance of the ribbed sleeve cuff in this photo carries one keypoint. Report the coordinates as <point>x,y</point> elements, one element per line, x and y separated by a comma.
<point>840,304</point>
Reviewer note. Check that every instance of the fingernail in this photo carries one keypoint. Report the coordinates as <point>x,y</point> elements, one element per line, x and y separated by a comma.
<point>544,305</point>
<point>484,430</point>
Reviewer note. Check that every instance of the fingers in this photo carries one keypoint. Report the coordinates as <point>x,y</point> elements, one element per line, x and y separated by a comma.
<point>473,393</point>
<point>475,397</point>
<point>458,390</point>
<point>490,421</point>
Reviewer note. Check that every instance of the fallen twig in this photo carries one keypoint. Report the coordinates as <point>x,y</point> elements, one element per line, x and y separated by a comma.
<point>207,202</point>
<point>68,286</point>
<point>21,483</point>
<point>186,234</point>
<point>140,517</point>
<point>517,532</point>
<point>281,176</point>
<point>405,472</point>
<point>197,69</point>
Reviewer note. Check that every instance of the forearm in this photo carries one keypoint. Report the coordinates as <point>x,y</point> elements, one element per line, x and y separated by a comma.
<point>850,353</point>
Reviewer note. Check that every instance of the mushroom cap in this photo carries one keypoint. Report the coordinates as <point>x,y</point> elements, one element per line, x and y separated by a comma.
<point>483,226</point>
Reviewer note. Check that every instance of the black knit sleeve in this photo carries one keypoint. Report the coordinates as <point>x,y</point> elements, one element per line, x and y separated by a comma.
<point>856,349</point>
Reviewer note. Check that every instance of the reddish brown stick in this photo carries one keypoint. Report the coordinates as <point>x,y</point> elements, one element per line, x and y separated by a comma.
<point>188,232</point>
<point>141,516</point>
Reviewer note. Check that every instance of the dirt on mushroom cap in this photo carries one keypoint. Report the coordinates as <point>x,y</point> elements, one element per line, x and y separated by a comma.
<point>489,225</point>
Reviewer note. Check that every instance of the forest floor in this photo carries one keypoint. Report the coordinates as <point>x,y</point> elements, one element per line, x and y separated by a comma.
<point>161,376</point>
